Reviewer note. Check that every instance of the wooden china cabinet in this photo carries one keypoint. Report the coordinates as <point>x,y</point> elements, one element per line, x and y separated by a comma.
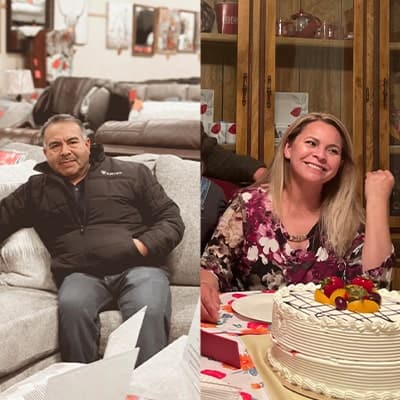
<point>353,72</point>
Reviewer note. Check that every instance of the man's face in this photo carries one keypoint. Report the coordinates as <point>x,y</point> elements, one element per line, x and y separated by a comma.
<point>66,150</point>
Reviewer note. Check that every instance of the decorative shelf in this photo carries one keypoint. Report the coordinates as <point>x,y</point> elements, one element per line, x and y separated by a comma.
<point>228,146</point>
<point>313,42</point>
<point>286,41</point>
<point>394,45</point>
<point>218,37</point>
<point>394,149</point>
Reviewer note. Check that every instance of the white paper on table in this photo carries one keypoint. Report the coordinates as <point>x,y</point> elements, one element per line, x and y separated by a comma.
<point>191,355</point>
<point>173,373</point>
<point>105,379</point>
<point>124,338</point>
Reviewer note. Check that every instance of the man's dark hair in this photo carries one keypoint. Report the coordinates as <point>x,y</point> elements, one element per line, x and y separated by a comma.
<point>62,118</point>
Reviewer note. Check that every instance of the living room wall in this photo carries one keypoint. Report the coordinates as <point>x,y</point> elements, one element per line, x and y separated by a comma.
<point>94,59</point>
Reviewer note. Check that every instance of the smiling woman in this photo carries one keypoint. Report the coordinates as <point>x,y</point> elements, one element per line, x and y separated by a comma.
<point>304,222</point>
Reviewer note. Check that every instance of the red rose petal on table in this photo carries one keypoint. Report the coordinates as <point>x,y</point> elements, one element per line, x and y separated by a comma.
<point>257,325</point>
<point>239,295</point>
<point>214,373</point>
<point>232,129</point>
<point>203,108</point>
<point>296,111</point>
<point>245,396</point>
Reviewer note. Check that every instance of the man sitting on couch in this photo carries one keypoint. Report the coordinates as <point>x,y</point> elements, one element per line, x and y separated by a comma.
<point>108,226</point>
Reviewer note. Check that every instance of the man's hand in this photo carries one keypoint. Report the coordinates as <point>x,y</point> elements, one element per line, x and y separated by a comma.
<point>209,296</point>
<point>143,250</point>
<point>378,185</point>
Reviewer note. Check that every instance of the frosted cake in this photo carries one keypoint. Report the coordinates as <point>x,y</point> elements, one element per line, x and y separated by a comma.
<point>337,353</point>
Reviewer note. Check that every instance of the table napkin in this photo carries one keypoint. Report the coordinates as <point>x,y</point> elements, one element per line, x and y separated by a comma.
<point>257,347</point>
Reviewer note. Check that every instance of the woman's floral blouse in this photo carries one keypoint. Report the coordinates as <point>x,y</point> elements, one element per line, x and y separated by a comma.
<point>249,250</point>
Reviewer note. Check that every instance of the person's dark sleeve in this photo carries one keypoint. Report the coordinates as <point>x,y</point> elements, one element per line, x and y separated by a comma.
<point>223,164</point>
<point>214,206</point>
<point>162,215</point>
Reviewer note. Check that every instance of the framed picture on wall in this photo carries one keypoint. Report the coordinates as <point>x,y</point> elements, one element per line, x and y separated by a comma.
<point>71,15</point>
<point>167,31</point>
<point>187,31</point>
<point>119,25</point>
<point>144,21</point>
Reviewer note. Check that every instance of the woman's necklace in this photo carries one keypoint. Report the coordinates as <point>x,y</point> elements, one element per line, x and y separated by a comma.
<point>299,238</point>
<point>296,238</point>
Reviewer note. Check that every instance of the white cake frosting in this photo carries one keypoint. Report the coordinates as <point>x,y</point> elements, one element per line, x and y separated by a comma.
<point>347,355</point>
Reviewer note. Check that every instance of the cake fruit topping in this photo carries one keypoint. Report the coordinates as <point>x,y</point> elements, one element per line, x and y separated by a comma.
<point>367,284</point>
<point>329,285</point>
<point>360,295</point>
<point>340,303</point>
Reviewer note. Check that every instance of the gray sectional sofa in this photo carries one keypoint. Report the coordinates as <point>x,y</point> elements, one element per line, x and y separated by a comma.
<point>28,312</point>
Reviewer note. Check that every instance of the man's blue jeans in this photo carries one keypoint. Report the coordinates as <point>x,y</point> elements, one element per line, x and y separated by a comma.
<point>82,297</point>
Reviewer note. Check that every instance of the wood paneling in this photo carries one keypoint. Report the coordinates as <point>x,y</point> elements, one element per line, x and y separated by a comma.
<point>218,72</point>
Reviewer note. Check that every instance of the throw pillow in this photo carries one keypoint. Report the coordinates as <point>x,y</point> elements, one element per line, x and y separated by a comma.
<point>181,181</point>
<point>12,176</point>
<point>24,260</point>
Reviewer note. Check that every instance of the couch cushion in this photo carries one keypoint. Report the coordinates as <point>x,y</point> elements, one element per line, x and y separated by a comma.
<point>28,327</point>
<point>163,133</point>
<point>30,151</point>
<point>193,93</point>
<point>167,91</point>
<point>24,260</point>
<point>149,160</point>
<point>181,181</point>
<point>152,110</point>
<point>14,114</point>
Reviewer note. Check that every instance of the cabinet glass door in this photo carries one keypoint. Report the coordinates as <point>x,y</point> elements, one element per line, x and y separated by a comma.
<point>394,108</point>
<point>315,64</point>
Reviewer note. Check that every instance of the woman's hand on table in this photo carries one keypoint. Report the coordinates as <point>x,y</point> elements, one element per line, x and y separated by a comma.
<point>209,294</point>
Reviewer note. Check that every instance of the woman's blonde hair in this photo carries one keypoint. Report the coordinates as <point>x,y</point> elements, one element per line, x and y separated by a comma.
<point>341,209</point>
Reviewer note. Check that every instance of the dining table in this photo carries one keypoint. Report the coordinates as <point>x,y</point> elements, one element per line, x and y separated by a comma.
<point>254,379</point>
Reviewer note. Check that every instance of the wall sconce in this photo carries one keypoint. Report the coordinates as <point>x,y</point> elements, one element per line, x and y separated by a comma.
<point>18,82</point>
